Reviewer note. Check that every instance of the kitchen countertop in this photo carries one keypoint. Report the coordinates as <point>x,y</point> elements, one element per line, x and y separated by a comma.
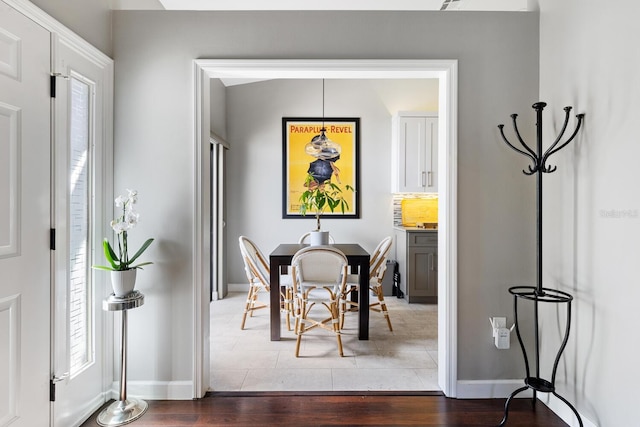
<point>412,229</point>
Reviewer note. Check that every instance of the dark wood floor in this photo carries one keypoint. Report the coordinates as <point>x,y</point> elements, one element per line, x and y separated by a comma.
<point>352,409</point>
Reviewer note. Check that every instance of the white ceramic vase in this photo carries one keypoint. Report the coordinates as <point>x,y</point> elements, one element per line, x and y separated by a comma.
<point>318,238</point>
<point>123,282</point>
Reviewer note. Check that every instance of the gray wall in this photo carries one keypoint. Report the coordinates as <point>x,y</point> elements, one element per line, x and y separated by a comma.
<point>592,201</point>
<point>90,19</point>
<point>498,74</point>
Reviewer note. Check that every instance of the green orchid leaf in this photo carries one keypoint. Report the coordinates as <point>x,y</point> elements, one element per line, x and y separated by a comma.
<point>140,251</point>
<point>110,255</point>
<point>141,264</point>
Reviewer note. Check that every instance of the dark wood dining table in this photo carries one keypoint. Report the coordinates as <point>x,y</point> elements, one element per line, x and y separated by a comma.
<point>358,259</point>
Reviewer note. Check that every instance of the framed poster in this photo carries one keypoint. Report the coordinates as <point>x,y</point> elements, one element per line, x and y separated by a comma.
<point>297,163</point>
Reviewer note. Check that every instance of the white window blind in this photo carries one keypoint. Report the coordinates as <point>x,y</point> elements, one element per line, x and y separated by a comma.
<point>79,193</point>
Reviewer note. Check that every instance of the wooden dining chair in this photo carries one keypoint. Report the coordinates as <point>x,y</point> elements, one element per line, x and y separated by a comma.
<point>319,276</point>
<point>377,269</point>
<point>257,270</point>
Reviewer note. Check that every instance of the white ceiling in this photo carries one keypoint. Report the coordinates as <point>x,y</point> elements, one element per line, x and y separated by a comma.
<point>413,5</point>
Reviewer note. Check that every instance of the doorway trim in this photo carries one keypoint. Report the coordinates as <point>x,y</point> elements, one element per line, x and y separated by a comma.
<point>446,71</point>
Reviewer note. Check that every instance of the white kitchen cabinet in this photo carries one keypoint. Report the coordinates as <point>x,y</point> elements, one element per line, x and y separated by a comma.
<point>415,153</point>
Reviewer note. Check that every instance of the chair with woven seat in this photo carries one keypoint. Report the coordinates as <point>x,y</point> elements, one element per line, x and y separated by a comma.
<point>257,270</point>
<point>319,276</point>
<point>377,269</point>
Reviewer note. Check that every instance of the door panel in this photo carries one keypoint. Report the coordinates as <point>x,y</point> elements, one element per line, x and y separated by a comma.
<point>78,354</point>
<point>412,154</point>
<point>24,220</point>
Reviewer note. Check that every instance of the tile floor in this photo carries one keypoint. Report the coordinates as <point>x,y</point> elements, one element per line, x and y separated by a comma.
<point>402,360</point>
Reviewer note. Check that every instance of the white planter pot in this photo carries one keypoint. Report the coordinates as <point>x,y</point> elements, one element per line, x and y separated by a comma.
<point>123,282</point>
<point>318,238</point>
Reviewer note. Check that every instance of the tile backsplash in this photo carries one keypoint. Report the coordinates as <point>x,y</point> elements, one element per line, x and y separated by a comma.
<point>409,209</point>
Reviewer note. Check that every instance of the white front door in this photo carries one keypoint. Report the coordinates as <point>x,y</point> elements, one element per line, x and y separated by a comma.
<point>80,175</point>
<point>25,145</point>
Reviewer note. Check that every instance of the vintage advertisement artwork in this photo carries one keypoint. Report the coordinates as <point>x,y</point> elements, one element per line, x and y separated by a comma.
<point>296,134</point>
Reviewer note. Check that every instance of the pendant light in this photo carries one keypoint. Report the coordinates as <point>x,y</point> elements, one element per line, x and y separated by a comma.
<point>321,147</point>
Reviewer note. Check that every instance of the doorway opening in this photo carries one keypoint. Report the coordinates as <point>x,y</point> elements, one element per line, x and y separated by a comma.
<point>446,74</point>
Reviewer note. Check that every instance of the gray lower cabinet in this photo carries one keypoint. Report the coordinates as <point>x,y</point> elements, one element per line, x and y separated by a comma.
<point>417,256</point>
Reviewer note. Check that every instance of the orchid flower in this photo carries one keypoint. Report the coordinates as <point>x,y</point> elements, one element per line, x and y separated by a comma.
<point>121,225</point>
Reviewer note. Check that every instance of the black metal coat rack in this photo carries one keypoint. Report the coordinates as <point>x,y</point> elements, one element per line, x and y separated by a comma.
<point>540,294</point>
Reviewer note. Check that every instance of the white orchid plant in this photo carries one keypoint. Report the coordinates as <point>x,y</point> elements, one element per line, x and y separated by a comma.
<point>121,225</point>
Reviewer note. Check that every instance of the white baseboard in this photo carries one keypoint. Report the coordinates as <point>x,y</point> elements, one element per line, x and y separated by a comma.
<point>490,389</point>
<point>156,390</point>
<point>563,411</point>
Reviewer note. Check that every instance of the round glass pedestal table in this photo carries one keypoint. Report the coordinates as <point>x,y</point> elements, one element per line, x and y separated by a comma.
<point>124,410</point>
